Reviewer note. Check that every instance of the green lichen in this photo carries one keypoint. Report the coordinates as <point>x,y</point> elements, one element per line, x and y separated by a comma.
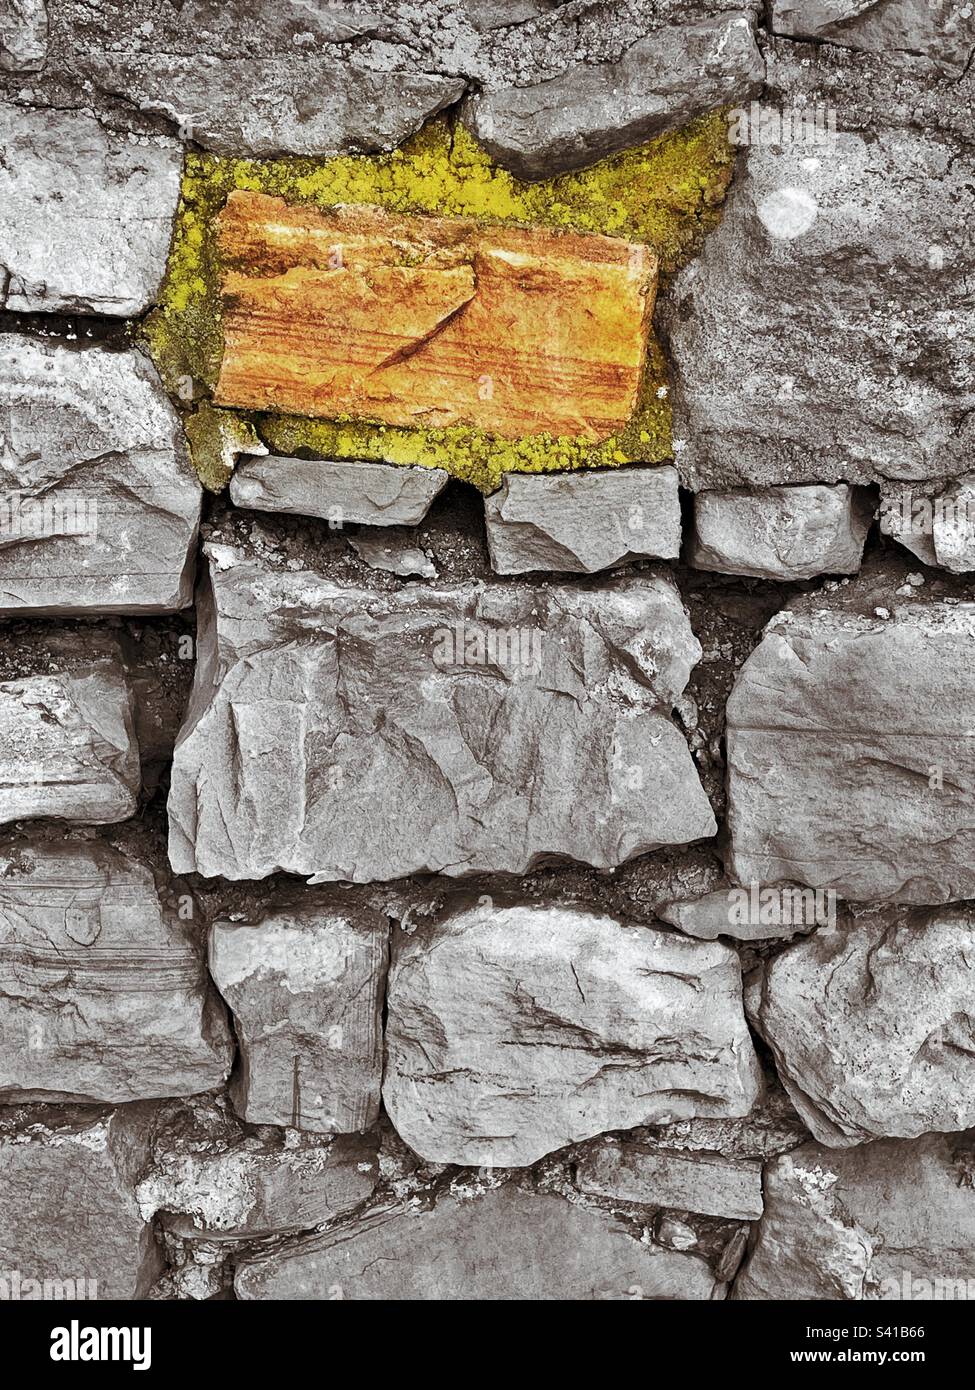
<point>217,439</point>
<point>666,194</point>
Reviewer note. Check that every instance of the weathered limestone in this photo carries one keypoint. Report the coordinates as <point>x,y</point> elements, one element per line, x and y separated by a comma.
<point>513,1031</point>
<point>892,1220</point>
<point>430,321</point>
<point>306,989</point>
<point>501,1244</point>
<point>103,989</point>
<point>23,36</point>
<point>392,556</point>
<point>67,743</point>
<point>850,761</point>
<point>350,735</point>
<point>760,912</point>
<point>341,492</point>
<point>872,1025</point>
<point>69,1223</point>
<point>780,532</point>
<point>659,83</point>
<point>582,522</point>
<point>104,204</point>
<point>937,30</point>
<point>937,524</point>
<point>99,504</point>
<point>628,1171</point>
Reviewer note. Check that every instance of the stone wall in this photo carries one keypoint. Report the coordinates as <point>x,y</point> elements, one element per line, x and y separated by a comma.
<point>436,869</point>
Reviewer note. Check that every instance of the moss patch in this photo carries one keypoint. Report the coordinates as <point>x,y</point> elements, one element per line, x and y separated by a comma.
<point>666,194</point>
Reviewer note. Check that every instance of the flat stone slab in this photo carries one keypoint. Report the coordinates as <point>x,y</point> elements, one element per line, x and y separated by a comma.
<point>306,986</point>
<point>104,994</point>
<point>343,493</point>
<point>579,523</point>
<point>343,734</point>
<point>503,1244</point>
<point>780,532</point>
<point>864,724</point>
<point>709,1184</point>
<point>88,213</point>
<point>99,504</point>
<point>513,1031</point>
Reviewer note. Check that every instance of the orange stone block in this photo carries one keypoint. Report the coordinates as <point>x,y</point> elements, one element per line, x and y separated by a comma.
<point>430,321</point>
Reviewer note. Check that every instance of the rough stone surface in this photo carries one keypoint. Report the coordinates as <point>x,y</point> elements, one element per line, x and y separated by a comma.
<point>502,1244</point>
<point>23,35</point>
<point>891,1221</point>
<point>306,989</point>
<point>67,743</point>
<point>628,1171</point>
<point>99,504</point>
<point>937,524</point>
<point>849,754</point>
<point>743,916</point>
<point>104,994</point>
<point>370,494</point>
<point>379,735</point>
<point>513,1031</point>
<point>872,1025</point>
<point>67,1205</point>
<point>105,204</point>
<point>392,556</point>
<point>780,532</point>
<point>659,83</point>
<point>579,523</point>
<point>941,31</point>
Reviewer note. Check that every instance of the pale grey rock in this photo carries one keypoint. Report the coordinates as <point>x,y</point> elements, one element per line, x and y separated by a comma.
<point>954,526</point>
<point>87,213</point>
<point>104,994</point>
<point>937,524</point>
<point>350,735</point>
<point>306,988</point>
<point>872,1026</point>
<point>894,1220</point>
<point>23,35</point>
<point>69,1223</point>
<point>709,1184</point>
<point>907,515</point>
<point>582,522</point>
<point>67,743</point>
<point>513,1031</point>
<point>780,532</point>
<point>757,913</point>
<point>941,31</point>
<point>851,765</point>
<point>661,82</point>
<point>393,557</point>
<point>339,491</point>
<point>99,503</point>
<point>770,1128</point>
<point>501,1244</point>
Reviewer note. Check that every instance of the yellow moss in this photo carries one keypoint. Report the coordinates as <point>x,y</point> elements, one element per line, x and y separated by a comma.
<point>666,194</point>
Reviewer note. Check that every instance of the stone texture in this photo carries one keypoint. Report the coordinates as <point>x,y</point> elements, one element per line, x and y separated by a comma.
<point>579,523</point>
<point>430,321</point>
<point>103,989</point>
<point>341,492</point>
<point>872,1027</point>
<point>67,742</point>
<point>67,1204</point>
<point>503,1244</point>
<point>661,82</point>
<point>893,1220</point>
<point>99,504</point>
<point>628,1171</point>
<point>87,213</point>
<point>937,524</point>
<point>513,1031</point>
<point>23,35</point>
<point>353,735</point>
<point>850,764</point>
<point>393,557</point>
<point>940,31</point>
<point>306,988</point>
<point>780,532</point>
<point>743,914</point>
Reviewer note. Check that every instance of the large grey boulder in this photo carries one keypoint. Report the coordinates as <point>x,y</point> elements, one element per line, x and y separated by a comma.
<point>104,994</point>
<point>87,213</point>
<point>850,758</point>
<point>347,734</point>
<point>872,1025</point>
<point>579,523</point>
<point>340,491</point>
<point>780,532</point>
<point>306,988</point>
<point>891,1221</point>
<point>940,31</point>
<point>513,1031</point>
<point>505,1243</point>
<point>99,504</point>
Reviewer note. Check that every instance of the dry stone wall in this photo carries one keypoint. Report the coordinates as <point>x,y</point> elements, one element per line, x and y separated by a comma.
<point>430,877</point>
